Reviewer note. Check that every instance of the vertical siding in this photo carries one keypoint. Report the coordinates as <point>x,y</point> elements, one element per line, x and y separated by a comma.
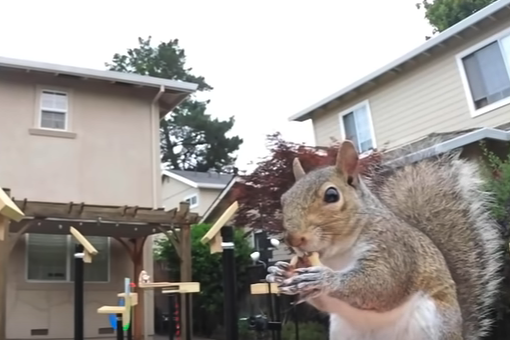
<point>428,99</point>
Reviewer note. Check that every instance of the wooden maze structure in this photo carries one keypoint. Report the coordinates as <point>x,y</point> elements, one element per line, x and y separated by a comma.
<point>129,225</point>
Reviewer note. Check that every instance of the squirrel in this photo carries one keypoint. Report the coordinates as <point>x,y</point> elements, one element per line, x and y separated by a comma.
<point>415,256</point>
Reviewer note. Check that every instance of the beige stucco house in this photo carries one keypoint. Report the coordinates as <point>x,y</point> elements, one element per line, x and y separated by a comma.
<point>199,189</point>
<point>459,80</point>
<point>69,134</point>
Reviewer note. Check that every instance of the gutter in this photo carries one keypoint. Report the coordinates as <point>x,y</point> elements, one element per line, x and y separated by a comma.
<point>155,147</point>
<point>454,143</point>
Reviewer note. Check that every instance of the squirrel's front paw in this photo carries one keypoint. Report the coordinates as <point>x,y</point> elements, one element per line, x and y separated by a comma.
<point>279,272</point>
<point>311,281</point>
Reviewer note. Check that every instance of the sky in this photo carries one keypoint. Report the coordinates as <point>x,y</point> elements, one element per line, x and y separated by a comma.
<point>266,60</point>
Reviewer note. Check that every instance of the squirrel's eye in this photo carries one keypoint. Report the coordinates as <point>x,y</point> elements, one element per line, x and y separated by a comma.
<point>331,195</point>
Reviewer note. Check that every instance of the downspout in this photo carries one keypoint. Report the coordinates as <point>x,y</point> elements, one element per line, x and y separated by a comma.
<point>156,171</point>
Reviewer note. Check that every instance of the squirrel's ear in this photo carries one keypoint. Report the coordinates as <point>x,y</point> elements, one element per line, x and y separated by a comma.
<point>347,160</point>
<point>297,169</point>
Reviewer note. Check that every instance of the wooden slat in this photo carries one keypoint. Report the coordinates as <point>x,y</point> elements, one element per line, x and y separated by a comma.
<point>8,208</point>
<point>111,310</point>
<point>215,229</point>
<point>263,288</point>
<point>134,297</point>
<point>105,213</point>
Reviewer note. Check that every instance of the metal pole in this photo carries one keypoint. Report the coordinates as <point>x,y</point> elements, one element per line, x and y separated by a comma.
<point>130,329</point>
<point>120,332</point>
<point>277,317</point>
<point>229,283</point>
<point>171,322</point>
<point>296,321</point>
<point>78,293</point>
<point>187,298</point>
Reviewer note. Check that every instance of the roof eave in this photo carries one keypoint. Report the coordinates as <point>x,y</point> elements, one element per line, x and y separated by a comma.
<point>110,76</point>
<point>434,41</point>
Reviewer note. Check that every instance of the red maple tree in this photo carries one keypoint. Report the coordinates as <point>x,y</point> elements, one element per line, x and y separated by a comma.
<point>259,192</point>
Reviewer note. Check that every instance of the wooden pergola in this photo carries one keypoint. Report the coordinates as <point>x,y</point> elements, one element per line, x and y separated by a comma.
<point>130,225</point>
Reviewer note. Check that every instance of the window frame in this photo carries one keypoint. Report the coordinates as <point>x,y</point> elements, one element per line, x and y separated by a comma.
<point>192,206</point>
<point>463,75</point>
<point>67,93</point>
<point>68,264</point>
<point>351,109</point>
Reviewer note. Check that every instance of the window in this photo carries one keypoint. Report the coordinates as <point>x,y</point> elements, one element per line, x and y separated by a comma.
<point>51,258</point>
<point>487,74</point>
<point>261,240</point>
<point>53,110</point>
<point>193,201</point>
<point>357,127</point>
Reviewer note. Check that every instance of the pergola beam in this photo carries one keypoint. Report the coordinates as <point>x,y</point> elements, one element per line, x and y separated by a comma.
<point>118,214</point>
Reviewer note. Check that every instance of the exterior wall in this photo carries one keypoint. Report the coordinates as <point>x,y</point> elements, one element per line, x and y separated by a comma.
<point>174,192</point>
<point>50,305</point>
<point>429,99</point>
<point>206,199</point>
<point>107,159</point>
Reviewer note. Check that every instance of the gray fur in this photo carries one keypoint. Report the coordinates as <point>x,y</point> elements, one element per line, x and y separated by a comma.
<point>444,198</point>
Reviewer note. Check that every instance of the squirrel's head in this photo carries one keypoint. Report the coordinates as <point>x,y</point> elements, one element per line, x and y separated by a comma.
<point>319,209</point>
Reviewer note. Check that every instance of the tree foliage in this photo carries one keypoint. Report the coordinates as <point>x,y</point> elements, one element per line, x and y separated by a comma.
<point>206,269</point>
<point>259,196</point>
<point>190,138</point>
<point>442,14</point>
<point>498,183</point>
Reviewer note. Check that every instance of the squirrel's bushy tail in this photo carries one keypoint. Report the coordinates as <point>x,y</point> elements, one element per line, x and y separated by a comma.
<point>445,199</point>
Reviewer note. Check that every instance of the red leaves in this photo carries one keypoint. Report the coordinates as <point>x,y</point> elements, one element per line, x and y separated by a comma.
<point>259,195</point>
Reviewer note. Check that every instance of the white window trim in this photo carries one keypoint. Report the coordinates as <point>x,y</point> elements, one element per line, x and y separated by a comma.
<point>192,206</point>
<point>68,265</point>
<point>463,76</point>
<point>40,89</point>
<point>369,112</point>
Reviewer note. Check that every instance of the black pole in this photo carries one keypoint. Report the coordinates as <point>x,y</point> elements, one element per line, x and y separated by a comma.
<point>270,306</point>
<point>187,299</point>
<point>120,332</point>
<point>296,321</point>
<point>130,328</point>
<point>277,317</point>
<point>229,283</point>
<point>78,293</point>
<point>171,320</point>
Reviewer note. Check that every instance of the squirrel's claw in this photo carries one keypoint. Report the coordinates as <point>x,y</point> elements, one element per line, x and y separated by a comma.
<point>278,273</point>
<point>307,280</point>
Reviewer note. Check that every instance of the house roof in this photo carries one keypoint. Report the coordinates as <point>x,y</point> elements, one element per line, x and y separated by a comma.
<point>172,92</point>
<point>218,199</point>
<point>395,66</point>
<point>201,180</point>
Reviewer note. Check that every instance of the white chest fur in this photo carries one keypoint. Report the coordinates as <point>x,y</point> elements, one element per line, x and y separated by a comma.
<point>416,319</point>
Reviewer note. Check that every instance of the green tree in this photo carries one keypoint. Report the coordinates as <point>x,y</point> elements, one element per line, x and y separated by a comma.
<point>190,138</point>
<point>497,170</point>
<point>207,269</point>
<point>442,14</point>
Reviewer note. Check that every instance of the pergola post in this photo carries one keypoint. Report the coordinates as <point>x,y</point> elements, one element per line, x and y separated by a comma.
<point>8,211</point>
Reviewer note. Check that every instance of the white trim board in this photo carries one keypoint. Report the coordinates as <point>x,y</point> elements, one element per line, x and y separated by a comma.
<point>218,199</point>
<point>463,76</point>
<point>196,185</point>
<point>341,114</point>
<point>114,76</point>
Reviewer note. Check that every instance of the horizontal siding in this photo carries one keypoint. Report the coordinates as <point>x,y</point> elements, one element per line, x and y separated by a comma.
<point>428,99</point>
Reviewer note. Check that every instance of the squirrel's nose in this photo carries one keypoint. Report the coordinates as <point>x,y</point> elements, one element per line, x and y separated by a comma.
<point>295,240</point>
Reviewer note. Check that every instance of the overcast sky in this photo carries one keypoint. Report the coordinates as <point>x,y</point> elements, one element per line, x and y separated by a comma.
<point>265,59</point>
